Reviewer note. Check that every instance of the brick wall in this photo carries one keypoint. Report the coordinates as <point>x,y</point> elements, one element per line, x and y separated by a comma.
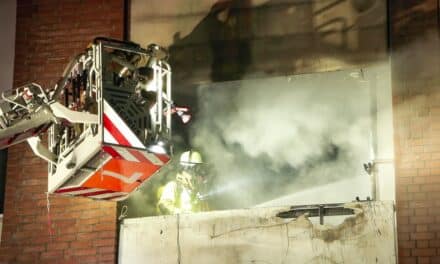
<point>416,100</point>
<point>49,34</point>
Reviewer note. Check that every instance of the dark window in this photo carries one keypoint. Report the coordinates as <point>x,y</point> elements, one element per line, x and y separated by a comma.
<point>3,160</point>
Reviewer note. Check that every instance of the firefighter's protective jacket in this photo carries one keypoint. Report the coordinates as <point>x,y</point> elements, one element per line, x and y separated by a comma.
<point>176,198</point>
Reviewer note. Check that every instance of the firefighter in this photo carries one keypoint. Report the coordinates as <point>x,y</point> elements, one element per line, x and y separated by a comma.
<point>183,195</point>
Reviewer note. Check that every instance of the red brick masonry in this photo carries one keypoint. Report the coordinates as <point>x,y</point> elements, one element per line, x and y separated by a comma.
<point>49,34</point>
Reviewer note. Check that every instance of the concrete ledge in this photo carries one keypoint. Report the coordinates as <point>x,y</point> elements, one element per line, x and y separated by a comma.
<point>258,236</point>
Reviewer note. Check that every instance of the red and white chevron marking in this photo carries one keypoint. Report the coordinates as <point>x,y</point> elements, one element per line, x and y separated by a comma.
<point>116,131</point>
<point>135,155</point>
<point>95,193</point>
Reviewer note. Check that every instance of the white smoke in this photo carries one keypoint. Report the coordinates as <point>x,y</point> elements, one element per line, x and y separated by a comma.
<point>269,137</point>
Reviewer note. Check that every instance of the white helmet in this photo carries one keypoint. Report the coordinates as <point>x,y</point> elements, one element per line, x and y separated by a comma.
<point>190,158</point>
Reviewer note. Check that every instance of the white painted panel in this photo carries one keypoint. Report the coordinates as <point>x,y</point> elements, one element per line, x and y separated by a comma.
<point>8,9</point>
<point>258,236</point>
<point>7,51</point>
<point>148,240</point>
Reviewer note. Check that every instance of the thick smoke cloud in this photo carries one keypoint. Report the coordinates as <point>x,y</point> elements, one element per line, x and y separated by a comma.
<point>266,138</point>
<point>280,138</point>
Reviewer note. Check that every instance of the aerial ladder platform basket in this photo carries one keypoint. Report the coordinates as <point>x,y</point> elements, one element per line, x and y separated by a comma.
<point>108,120</point>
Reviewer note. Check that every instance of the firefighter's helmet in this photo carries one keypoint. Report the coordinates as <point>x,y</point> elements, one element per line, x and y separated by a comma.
<point>190,158</point>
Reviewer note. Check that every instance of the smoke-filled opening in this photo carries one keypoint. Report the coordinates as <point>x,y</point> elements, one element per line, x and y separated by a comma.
<point>275,141</point>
